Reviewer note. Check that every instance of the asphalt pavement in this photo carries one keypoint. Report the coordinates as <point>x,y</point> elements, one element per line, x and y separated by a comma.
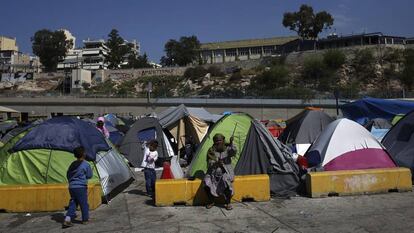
<point>133,211</point>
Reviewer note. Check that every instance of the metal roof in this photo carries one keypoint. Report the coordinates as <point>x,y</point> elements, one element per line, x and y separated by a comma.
<point>247,43</point>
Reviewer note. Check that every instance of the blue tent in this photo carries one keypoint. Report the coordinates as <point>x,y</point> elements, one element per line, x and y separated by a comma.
<point>369,108</point>
<point>64,133</point>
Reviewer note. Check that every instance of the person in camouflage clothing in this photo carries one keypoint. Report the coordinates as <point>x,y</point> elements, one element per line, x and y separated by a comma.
<point>218,180</point>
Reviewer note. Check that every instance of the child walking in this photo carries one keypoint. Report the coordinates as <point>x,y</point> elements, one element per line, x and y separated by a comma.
<point>78,174</point>
<point>148,163</point>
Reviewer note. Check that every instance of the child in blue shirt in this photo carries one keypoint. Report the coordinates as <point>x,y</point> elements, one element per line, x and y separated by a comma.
<point>78,174</point>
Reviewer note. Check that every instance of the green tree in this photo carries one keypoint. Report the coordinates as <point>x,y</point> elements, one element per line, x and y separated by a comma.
<point>276,77</point>
<point>182,52</point>
<point>316,73</point>
<point>107,87</point>
<point>364,64</point>
<point>118,49</point>
<point>51,47</point>
<point>137,62</point>
<point>334,59</point>
<point>306,23</point>
<point>407,77</point>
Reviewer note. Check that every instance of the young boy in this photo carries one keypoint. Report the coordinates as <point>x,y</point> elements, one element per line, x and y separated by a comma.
<point>78,174</point>
<point>148,163</point>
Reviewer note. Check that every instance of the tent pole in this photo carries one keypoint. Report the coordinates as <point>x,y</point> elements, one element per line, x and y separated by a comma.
<point>48,165</point>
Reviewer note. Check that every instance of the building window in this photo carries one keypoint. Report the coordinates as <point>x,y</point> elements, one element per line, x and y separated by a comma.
<point>269,50</point>
<point>256,50</point>
<point>244,52</point>
<point>218,53</point>
<point>398,41</point>
<point>230,53</point>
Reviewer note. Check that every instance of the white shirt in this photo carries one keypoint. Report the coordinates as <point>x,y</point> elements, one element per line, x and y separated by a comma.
<point>149,155</point>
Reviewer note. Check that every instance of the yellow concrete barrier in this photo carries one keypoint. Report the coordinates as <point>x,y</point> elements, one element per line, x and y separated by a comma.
<point>191,192</point>
<point>43,197</point>
<point>352,182</point>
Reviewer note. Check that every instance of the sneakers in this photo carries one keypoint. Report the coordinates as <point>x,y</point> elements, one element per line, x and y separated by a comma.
<point>228,207</point>
<point>85,222</point>
<point>67,224</point>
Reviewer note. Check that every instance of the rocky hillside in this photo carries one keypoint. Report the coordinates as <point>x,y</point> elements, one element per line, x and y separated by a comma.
<point>386,72</point>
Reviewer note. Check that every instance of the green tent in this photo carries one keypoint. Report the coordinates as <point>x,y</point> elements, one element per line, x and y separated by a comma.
<point>38,166</point>
<point>397,118</point>
<point>226,125</point>
<point>258,152</point>
<point>49,166</point>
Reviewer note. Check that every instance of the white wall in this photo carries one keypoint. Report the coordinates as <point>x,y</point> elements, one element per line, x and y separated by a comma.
<point>80,76</point>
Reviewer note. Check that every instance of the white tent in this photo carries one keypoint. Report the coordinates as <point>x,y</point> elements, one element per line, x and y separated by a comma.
<point>346,145</point>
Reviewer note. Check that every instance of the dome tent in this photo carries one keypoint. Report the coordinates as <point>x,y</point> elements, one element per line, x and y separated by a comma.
<point>182,121</point>
<point>144,130</point>
<point>303,129</point>
<point>258,153</point>
<point>346,145</point>
<point>369,108</point>
<point>399,141</point>
<point>378,127</point>
<point>43,153</point>
<point>226,125</point>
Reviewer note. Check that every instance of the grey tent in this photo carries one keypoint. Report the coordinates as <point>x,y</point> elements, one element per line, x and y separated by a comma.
<point>399,142</point>
<point>8,125</point>
<point>302,129</point>
<point>378,123</point>
<point>16,131</point>
<point>263,154</point>
<point>378,127</point>
<point>144,130</point>
<point>173,114</point>
<point>182,121</point>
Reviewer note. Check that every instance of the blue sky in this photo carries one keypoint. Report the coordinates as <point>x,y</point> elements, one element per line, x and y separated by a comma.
<point>153,22</point>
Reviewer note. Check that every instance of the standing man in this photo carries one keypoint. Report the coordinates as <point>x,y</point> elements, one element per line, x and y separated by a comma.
<point>220,175</point>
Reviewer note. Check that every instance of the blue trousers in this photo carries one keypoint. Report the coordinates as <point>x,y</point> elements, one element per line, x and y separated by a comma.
<point>150,177</point>
<point>78,196</point>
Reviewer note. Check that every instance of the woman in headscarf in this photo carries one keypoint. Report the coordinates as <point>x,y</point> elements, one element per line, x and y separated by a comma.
<point>220,174</point>
<point>100,125</point>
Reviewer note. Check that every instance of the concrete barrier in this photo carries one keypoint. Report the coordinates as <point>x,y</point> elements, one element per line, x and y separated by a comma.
<point>352,182</point>
<point>43,197</point>
<point>191,192</point>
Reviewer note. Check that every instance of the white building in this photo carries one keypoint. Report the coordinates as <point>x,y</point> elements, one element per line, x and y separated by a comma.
<point>72,60</point>
<point>94,55</point>
<point>79,78</point>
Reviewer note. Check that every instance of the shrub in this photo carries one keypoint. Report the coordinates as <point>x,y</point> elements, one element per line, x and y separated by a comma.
<point>313,69</point>
<point>194,73</point>
<point>334,59</point>
<point>215,71</point>
<point>277,76</point>
<point>235,77</point>
<point>407,77</point>
<point>364,57</point>
<point>106,87</point>
<point>127,87</point>
<point>364,63</point>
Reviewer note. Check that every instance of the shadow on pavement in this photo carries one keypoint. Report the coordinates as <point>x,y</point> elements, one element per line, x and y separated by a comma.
<point>58,217</point>
<point>137,192</point>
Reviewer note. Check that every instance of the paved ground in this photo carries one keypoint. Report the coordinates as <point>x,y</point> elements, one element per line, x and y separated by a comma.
<point>132,211</point>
